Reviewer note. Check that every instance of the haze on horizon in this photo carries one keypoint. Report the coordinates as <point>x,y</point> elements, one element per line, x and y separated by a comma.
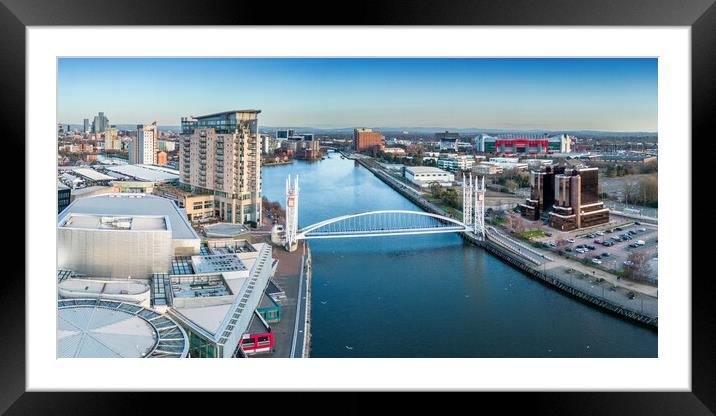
<point>606,94</point>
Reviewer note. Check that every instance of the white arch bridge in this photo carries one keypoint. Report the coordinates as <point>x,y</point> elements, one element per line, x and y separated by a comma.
<point>388,222</point>
<point>383,223</point>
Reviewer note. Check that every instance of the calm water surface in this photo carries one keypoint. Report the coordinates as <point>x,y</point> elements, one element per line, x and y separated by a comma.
<point>432,295</point>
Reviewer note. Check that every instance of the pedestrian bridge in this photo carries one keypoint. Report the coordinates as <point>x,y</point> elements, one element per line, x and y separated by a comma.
<point>383,223</point>
<point>388,222</point>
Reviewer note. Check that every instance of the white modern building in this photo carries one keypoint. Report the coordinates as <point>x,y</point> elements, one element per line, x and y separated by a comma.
<point>143,148</point>
<point>424,176</point>
<point>454,163</point>
<point>121,235</point>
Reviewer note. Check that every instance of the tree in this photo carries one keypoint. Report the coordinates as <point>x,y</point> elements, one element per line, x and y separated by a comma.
<point>436,190</point>
<point>638,268</point>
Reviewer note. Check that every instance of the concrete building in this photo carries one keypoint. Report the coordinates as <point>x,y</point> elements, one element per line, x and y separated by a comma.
<point>120,235</point>
<point>576,203</point>
<point>198,207</point>
<point>424,176</point>
<point>86,126</point>
<point>111,139</point>
<point>142,149</point>
<point>222,156</point>
<point>448,141</point>
<point>366,139</point>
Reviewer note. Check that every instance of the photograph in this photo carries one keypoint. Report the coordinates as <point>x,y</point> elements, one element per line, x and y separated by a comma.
<point>357,207</point>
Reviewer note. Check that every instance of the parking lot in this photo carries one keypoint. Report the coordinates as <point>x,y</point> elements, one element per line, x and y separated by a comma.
<point>616,240</point>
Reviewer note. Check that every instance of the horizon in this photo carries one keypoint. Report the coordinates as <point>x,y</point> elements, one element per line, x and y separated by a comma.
<point>616,95</point>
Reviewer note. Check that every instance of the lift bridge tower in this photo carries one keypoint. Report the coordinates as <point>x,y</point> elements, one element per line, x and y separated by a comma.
<point>473,205</point>
<point>291,214</point>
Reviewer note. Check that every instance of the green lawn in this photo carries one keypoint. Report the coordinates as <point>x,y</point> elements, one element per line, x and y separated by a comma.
<point>530,234</point>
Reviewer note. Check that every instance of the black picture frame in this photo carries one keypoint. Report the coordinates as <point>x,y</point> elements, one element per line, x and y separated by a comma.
<point>15,15</point>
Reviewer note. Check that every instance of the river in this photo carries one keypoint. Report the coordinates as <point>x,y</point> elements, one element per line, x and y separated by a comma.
<point>432,295</point>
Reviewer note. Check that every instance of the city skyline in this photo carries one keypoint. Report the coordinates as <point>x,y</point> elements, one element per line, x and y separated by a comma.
<point>461,93</point>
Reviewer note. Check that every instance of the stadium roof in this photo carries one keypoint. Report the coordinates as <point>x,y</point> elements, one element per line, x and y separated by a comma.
<point>100,328</point>
<point>133,205</point>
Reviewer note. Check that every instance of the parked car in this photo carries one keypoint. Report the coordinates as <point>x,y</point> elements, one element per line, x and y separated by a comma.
<point>605,254</point>
<point>640,242</point>
<point>591,247</point>
<point>596,261</point>
<point>628,263</point>
<point>570,240</point>
<point>600,233</point>
<point>597,241</point>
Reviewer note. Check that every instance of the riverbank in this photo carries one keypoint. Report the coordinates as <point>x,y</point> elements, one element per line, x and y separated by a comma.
<point>589,289</point>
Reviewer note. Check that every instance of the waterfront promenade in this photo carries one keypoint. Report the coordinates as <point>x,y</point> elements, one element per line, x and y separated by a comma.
<point>628,299</point>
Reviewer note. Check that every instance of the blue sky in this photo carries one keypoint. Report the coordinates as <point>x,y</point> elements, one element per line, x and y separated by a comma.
<point>542,93</point>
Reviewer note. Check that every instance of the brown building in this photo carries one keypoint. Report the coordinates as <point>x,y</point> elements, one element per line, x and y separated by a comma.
<point>366,139</point>
<point>541,197</point>
<point>576,203</point>
<point>198,207</point>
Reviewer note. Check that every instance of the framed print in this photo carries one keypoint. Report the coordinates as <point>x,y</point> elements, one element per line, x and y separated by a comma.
<point>464,197</point>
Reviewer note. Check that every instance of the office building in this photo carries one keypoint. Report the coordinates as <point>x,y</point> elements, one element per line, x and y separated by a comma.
<point>524,143</point>
<point>188,124</point>
<point>86,126</point>
<point>142,149</point>
<point>198,207</point>
<point>453,163</point>
<point>366,139</point>
<point>100,123</point>
<point>63,196</point>
<point>542,193</point>
<point>424,176</point>
<point>448,141</point>
<point>222,156</point>
<point>576,203</point>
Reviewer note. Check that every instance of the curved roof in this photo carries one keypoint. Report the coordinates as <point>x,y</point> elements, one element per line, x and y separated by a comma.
<point>101,328</point>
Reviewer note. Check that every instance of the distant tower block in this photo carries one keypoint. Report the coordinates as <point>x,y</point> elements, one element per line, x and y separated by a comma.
<point>479,209</point>
<point>291,214</point>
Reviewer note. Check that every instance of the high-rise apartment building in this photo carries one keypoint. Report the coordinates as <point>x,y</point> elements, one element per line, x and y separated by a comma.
<point>111,139</point>
<point>366,139</point>
<point>143,148</point>
<point>576,204</point>
<point>222,156</point>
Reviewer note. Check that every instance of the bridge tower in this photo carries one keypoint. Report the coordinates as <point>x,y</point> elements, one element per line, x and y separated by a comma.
<point>478,209</point>
<point>467,200</point>
<point>291,214</point>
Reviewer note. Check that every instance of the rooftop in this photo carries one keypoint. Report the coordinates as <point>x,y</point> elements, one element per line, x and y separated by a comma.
<point>133,205</point>
<point>100,328</point>
<point>92,174</point>
<point>424,169</point>
<point>227,112</point>
<point>102,222</point>
<point>146,173</point>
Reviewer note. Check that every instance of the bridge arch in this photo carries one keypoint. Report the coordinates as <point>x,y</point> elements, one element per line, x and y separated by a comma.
<point>441,224</point>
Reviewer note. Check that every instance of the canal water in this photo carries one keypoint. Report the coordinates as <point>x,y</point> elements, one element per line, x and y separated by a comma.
<point>431,295</point>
